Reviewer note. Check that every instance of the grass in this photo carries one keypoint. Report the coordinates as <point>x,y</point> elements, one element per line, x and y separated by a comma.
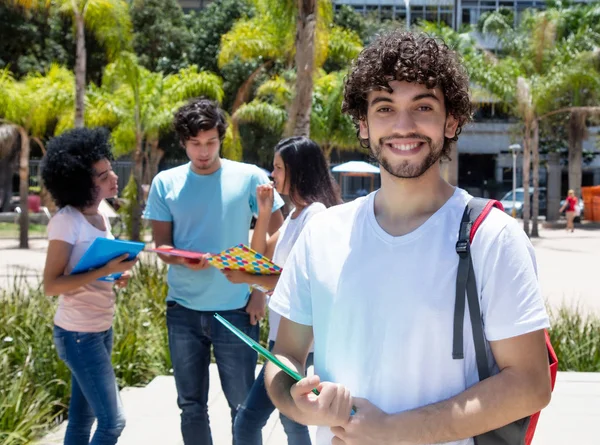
<point>35,384</point>
<point>11,230</point>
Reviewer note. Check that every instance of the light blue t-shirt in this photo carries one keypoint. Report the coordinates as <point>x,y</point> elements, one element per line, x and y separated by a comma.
<point>210,213</point>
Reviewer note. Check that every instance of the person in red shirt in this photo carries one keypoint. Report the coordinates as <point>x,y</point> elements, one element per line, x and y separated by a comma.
<point>569,209</point>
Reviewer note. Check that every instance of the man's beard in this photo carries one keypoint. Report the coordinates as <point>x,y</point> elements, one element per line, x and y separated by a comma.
<point>406,169</point>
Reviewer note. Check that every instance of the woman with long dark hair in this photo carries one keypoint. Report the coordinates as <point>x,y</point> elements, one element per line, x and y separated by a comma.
<point>300,171</point>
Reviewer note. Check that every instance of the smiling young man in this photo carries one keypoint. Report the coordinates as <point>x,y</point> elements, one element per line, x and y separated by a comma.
<point>206,206</point>
<point>373,281</point>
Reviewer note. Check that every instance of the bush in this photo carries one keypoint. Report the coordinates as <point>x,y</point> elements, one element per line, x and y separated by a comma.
<point>576,340</point>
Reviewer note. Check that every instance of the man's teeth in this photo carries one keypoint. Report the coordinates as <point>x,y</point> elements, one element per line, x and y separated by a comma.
<point>405,147</point>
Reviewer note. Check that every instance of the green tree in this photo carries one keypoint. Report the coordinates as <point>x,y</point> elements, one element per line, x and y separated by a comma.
<point>329,126</point>
<point>208,25</point>
<point>44,38</point>
<point>278,32</point>
<point>139,105</point>
<point>34,105</point>
<point>160,36</point>
<point>107,19</point>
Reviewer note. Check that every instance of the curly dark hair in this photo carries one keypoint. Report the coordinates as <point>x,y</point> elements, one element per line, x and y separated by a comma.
<point>67,167</point>
<point>199,115</point>
<point>410,57</point>
<point>306,171</point>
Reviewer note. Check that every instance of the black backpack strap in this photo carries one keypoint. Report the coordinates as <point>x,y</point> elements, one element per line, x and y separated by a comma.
<point>466,286</point>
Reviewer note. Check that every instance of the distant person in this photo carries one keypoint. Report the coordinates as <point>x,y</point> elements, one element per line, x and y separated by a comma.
<point>77,172</point>
<point>299,171</point>
<point>206,206</point>
<point>570,209</point>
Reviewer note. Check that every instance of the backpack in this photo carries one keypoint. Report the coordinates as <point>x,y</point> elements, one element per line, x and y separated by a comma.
<point>519,432</point>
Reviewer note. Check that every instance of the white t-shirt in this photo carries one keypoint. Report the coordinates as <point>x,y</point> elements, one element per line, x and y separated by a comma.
<point>288,234</point>
<point>89,308</point>
<point>382,307</point>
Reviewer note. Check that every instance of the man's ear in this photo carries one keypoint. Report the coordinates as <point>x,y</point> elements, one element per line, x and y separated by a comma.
<point>363,129</point>
<point>450,127</point>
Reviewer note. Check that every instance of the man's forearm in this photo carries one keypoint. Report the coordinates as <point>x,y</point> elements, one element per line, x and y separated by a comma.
<point>490,404</point>
<point>278,385</point>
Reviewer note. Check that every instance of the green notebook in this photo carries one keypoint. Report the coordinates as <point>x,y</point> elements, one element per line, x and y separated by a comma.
<point>262,351</point>
<point>266,353</point>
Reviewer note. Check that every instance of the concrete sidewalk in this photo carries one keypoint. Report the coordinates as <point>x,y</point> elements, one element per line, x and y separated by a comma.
<point>153,415</point>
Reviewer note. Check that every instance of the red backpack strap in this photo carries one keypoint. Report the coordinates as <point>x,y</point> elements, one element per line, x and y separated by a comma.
<point>466,288</point>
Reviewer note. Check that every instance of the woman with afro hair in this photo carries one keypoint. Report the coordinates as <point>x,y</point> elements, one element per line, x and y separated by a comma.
<point>78,174</point>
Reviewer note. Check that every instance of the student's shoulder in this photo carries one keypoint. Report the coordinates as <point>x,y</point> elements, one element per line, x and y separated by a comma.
<point>497,224</point>
<point>243,168</point>
<point>334,219</point>
<point>173,173</point>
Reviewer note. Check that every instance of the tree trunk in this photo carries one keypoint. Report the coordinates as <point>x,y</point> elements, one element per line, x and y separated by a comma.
<point>554,181</point>
<point>535,140</point>
<point>136,208</point>
<point>526,167</point>
<point>24,190</point>
<point>80,70</point>
<point>299,116</point>
<point>243,92</point>
<point>327,149</point>
<point>577,133</point>
<point>156,154</point>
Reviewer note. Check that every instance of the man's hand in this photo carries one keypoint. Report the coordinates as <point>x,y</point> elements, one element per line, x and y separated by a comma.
<point>366,427</point>
<point>238,276</point>
<point>199,264</point>
<point>256,306</point>
<point>123,280</point>
<point>332,407</point>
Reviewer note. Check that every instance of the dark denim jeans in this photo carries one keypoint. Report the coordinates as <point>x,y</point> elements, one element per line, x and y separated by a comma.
<point>191,334</point>
<point>94,391</point>
<point>255,412</point>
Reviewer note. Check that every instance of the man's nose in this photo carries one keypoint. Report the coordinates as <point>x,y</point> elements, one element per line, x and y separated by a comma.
<point>404,122</point>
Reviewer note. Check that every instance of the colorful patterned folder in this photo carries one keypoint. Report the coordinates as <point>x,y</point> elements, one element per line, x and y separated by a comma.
<point>243,258</point>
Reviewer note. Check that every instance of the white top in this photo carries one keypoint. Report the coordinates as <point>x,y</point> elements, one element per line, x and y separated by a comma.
<point>288,234</point>
<point>89,308</point>
<point>382,307</point>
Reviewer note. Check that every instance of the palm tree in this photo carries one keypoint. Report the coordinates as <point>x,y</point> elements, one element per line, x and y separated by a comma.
<point>286,30</point>
<point>329,126</point>
<point>33,105</point>
<point>532,78</point>
<point>107,19</point>
<point>138,105</point>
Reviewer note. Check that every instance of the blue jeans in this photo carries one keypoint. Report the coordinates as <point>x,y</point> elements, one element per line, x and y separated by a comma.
<point>94,391</point>
<point>191,334</point>
<point>255,412</point>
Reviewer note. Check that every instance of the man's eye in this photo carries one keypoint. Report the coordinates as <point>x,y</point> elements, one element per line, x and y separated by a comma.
<point>425,108</point>
<point>384,109</point>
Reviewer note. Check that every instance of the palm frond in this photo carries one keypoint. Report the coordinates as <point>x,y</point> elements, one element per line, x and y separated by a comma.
<point>250,39</point>
<point>264,114</point>
<point>344,45</point>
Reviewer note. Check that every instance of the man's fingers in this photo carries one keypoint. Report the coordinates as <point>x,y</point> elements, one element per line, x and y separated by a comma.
<point>306,385</point>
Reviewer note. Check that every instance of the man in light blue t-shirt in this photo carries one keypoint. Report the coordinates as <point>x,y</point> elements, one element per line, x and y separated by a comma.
<point>206,206</point>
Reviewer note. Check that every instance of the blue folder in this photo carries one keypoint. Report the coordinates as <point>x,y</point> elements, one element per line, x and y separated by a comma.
<point>102,250</point>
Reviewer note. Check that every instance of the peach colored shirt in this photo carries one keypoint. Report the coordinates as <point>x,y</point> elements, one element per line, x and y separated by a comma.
<point>89,308</point>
